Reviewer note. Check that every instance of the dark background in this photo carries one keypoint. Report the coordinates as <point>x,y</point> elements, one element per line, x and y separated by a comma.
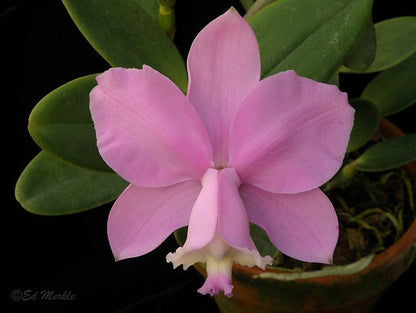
<point>42,49</point>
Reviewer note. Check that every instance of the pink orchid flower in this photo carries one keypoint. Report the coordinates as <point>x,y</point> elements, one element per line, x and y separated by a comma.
<point>234,150</point>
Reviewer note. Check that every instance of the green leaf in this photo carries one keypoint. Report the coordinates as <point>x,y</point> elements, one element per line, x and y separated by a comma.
<point>394,89</point>
<point>151,7</point>
<point>257,6</point>
<point>262,241</point>
<point>388,154</point>
<point>395,43</point>
<point>301,35</point>
<point>181,234</point>
<point>364,53</point>
<point>61,124</point>
<point>366,121</point>
<point>126,36</point>
<point>48,186</point>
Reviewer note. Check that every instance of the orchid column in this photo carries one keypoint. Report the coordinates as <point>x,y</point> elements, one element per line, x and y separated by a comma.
<point>234,150</point>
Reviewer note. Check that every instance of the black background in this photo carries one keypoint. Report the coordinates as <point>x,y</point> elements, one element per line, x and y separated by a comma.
<point>42,49</point>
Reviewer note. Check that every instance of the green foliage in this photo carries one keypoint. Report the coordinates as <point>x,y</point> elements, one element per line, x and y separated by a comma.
<point>61,124</point>
<point>300,35</point>
<point>394,89</point>
<point>262,241</point>
<point>388,154</point>
<point>151,7</point>
<point>366,121</point>
<point>395,43</point>
<point>181,234</point>
<point>49,186</point>
<point>126,36</point>
<point>365,51</point>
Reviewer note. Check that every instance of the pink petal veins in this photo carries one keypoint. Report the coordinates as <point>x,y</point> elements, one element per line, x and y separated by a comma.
<point>223,66</point>
<point>142,218</point>
<point>290,134</point>
<point>303,226</point>
<point>147,131</point>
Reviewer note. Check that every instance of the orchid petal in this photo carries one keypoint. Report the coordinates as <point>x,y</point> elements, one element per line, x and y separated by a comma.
<point>233,223</point>
<point>290,134</point>
<point>303,226</point>
<point>142,218</point>
<point>203,220</point>
<point>147,131</point>
<point>223,66</point>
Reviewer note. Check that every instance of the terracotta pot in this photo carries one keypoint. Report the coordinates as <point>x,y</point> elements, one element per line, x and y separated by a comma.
<point>353,288</point>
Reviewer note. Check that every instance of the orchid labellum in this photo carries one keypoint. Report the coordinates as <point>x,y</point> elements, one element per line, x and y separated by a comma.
<point>235,149</point>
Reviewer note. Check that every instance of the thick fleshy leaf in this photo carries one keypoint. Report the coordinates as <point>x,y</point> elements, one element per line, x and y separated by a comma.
<point>365,51</point>
<point>290,134</point>
<point>303,226</point>
<point>61,124</point>
<point>223,66</point>
<point>262,241</point>
<point>49,186</point>
<point>180,235</point>
<point>142,218</point>
<point>395,43</point>
<point>146,129</point>
<point>300,35</point>
<point>232,217</point>
<point>366,121</point>
<point>150,7</point>
<point>388,154</point>
<point>253,8</point>
<point>126,36</point>
<point>394,89</point>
